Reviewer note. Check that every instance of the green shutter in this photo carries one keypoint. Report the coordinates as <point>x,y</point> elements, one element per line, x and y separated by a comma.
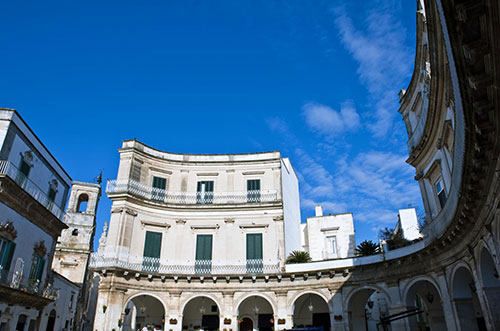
<point>204,247</point>
<point>152,246</point>
<point>6,259</point>
<point>159,182</point>
<point>25,168</point>
<point>253,185</point>
<point>39,268</point>
<point>254,246</point>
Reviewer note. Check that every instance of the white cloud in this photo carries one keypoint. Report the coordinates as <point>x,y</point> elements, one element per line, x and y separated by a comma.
<point>326,121</point>
<point>384,60</point>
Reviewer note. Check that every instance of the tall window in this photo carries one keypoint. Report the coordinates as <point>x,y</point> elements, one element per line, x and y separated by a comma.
<point>254,253</point>
<point>205,192</point>
<point>203,264</point>
<point>331,247</point>
<point>158,191</point>
<point>152,250</point>
<point>24,171</point>
<point>37,265</point>
<point>6,252</point>
<point>253,190</point>
<point>441,193</point>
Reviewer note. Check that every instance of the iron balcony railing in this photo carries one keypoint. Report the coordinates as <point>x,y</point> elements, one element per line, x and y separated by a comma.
<point>16,280</point>
<point>196,267</point>
<point>152,193</point>
<point>9,169</point>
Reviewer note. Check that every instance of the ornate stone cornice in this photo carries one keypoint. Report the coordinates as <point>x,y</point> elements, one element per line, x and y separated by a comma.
<point>8,231</point>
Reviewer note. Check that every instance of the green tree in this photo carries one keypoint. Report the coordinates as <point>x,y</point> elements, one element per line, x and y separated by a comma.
<point>393,240</point>
<point>298,257</point>
<point>367,247</point>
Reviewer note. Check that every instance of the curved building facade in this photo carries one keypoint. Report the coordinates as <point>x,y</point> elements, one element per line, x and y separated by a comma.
<point>199,241</point>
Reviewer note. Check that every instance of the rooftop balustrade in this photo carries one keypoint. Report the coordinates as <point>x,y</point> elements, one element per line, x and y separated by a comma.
<point>144,191</point>
<point>196,267</point>
<point>10,170</point>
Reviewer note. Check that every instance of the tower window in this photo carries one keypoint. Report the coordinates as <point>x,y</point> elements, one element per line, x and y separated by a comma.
<point>83,200</point>
<point>441,193</point>
<point>74,232</point>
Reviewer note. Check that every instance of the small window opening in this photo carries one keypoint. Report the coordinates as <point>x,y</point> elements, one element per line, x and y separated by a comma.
<point>75,232</point>
<point>83,200</point>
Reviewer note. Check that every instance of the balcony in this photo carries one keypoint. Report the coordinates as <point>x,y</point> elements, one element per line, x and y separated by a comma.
<point>189,198</point>
<point>10,170</point>
<point>15,288</point>
<point>196,267</point>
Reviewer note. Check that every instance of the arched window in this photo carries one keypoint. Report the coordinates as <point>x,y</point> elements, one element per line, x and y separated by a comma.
<point>83,200</point>
<point>74,232</point>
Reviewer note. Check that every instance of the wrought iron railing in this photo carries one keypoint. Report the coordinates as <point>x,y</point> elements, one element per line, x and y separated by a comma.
<point>196,267</point>
<point>9,169</point>
<point>152,193</point>
<point>16,280</point>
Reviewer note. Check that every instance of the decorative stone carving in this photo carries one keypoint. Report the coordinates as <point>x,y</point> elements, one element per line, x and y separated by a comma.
<point>40,248</point>
<point>8,231</point>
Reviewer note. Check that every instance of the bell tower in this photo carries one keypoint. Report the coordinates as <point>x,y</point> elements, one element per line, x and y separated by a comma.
<point>75,244</point>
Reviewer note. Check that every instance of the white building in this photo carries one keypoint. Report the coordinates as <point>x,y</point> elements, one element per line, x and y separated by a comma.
<point>328,236</point>
<point>408,224</point>
<point>33,194</point>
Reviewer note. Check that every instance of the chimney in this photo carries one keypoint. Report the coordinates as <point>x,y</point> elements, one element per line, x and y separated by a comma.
<point>319,210</point>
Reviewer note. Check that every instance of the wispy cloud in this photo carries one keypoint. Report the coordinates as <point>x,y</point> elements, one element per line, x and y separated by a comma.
<point>328,122</point>
<point>384,60</point>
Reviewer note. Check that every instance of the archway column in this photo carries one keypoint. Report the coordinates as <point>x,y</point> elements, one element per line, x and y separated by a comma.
<point>335,306</point>
<point>449,312</point>
<point>113,300</point>
<point>396,306</point>
<point>481,296</point>
<point>228,311</point>
<point>173,303</point>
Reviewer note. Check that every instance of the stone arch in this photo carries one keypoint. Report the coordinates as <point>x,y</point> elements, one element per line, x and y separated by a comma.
<point>264,296</point>
<point>365,305</point>
<point>465,300</point>
<point>291,303</point>
<point>187,299</point>
<point>310,308</point>
<point>131,316</point>
<point>423,293</point>
<point>195,313</point>
<point>417,279</point>
<point>82,202</point>
<point>264,318</point>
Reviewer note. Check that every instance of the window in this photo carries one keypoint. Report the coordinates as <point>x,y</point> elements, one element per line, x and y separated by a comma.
<point>135,171</point>
<point>158,191</point>
<point>83,200</point>
<point>205,192</point>
<point>74,232</point>
<point>37,265</point>
<point>152,250</point>
<point>441,193</point>
<point>24,171</point>
<point>203,264</point>
<point>6,252</point>
<point>52,194</point>
<point>254,253</point>
<point>71,301</point>
<point>331,247</point>
<point>253,190</point>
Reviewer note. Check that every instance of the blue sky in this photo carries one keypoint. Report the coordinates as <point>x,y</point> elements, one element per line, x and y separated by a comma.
<point>317,80</point>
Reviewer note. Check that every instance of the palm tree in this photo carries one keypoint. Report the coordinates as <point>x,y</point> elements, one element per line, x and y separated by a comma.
<point>298,257</point>
<point>367,247</point>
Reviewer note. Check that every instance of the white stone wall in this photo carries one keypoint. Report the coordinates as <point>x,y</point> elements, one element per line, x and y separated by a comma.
<point>291,207</point>
<point>319,228</point>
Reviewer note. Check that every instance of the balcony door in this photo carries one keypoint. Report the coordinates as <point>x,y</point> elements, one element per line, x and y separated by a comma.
<point>158,190</point>
<point>205,192</point>
<point>254,253</point>
<point>152,251</point>
<point>203,264</point>
<point>253,190</point>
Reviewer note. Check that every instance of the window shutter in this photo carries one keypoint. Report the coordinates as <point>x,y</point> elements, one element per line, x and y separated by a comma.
<point>25,168</point>
<point>152,246</point>
<point>254,246</point>
<point>159,182</point>
<point>39,268</point>
<point>204,247</point>
<point>6,259</point>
